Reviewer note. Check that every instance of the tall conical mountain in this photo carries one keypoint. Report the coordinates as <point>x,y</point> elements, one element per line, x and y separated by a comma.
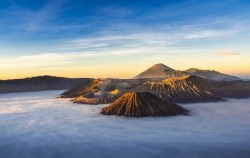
<point>163,71</point>
<point>140,104</point>
<point>160,71</point>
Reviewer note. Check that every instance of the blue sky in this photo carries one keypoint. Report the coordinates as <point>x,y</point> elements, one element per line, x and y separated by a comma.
<point>88,38</point>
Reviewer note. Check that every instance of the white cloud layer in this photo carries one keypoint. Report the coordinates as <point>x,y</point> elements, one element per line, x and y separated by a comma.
<point>37,125</point>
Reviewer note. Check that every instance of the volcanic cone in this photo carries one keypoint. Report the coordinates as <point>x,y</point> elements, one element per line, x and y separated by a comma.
<point>140,104</point>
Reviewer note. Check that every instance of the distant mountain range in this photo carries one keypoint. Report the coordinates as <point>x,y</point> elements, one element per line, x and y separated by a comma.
<point>40,83</point>
<point>159,79</point>
<point>153,92</point>
<point>163,71</point>
<point>192,85</point>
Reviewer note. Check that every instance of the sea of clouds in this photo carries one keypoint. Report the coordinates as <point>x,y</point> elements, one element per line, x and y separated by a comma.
<point>39,125</point>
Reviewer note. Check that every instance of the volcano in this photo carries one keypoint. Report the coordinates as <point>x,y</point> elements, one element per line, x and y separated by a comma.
<point>186,89</point>
<point>166,83</point>
<point>142,104</point>
<point>159,71</point>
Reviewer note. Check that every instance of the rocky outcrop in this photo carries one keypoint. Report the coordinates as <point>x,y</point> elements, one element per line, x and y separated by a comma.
<point>93,101</point>
<point>141,104</point>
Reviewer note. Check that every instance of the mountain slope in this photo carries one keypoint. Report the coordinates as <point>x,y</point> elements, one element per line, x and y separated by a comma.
<point>88,88</point>
<point>230,89</point>
<point>179,89</point>
<point>100,91</point>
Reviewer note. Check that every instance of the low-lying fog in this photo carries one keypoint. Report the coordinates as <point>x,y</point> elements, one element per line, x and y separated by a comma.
<point>38,125</point>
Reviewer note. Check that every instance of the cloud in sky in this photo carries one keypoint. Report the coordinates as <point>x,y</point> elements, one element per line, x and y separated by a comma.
<point>228,53</point>
<point>51,34</point>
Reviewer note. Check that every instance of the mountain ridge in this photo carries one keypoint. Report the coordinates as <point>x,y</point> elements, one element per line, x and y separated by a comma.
<point>39,83</point>
<point>180,89</point>
<point>162,71</point>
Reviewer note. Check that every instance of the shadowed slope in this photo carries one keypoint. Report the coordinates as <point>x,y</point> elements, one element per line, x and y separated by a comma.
<point>211,74</point>
<point>230,89</point>
<point>140,104</point>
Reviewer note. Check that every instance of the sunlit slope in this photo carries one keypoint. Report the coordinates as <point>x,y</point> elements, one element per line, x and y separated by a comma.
<point>86,88</point>
<point>94,101</point>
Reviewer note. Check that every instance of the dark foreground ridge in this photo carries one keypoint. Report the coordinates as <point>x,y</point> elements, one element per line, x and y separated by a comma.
<point>142,104</point>
<point>40,83</point>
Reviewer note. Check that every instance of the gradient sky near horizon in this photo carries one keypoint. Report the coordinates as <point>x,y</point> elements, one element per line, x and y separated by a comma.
<point>121,38</point>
